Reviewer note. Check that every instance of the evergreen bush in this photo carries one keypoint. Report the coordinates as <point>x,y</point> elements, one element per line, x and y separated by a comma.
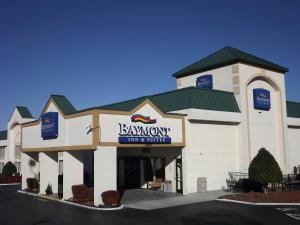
<point>9,169</point>
<point>264,168</point>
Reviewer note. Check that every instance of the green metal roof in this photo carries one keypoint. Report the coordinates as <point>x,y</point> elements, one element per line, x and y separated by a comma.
<point>185,98</point>
<point>24,112</point>
<point>293,109</point>
<point>3,135</point>
<point>224,57</point>
<point>64,104</point>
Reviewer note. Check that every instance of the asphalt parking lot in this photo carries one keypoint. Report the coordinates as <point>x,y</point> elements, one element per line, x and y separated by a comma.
<point>16,209</point>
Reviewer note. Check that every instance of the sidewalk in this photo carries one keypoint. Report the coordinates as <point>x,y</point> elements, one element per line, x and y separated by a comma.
<point>174,200</point>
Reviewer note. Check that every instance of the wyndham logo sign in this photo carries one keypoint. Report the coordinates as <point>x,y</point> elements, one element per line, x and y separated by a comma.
<point>49,126</point>
<point>261,98</point>
<point>205,81</point>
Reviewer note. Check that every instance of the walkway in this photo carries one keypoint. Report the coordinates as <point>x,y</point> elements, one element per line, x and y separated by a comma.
<point>149,200</point>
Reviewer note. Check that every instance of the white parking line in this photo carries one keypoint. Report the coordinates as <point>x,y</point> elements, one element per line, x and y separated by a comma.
<point>292,215</point>
<point>295,216</point>
<point>286,209</point>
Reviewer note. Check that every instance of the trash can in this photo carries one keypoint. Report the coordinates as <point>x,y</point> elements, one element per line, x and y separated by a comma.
<point>167,186</point>
<point>201,184</point>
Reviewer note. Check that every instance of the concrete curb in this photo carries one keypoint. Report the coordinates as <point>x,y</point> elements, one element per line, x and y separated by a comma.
<point>254,203</point>
<point>12,184</point>
<point>72,203</point>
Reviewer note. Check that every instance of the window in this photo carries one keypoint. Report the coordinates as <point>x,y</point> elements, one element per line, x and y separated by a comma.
<point>18,152</point>
<point>2,153</point>
<point>1,166</point>
<point>18,165</point>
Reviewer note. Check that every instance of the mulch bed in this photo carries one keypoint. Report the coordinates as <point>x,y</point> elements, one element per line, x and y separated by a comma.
<point>270,197</point>
<point>91,203</point>
<point>82,202</point>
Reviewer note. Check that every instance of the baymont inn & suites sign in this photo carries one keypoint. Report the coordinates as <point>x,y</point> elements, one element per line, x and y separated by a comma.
<point>146,125</point>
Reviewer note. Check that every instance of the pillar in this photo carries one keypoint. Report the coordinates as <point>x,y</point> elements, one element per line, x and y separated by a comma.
<point>170,171</point>
<point>184,158</point>
<point>11,145</point>
<point>73,169</point>
<point>48,171</point>
<point>29,167</point>
<point>105,171</point>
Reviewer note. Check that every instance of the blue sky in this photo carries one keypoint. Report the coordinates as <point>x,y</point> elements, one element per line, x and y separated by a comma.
<point>100,52</point>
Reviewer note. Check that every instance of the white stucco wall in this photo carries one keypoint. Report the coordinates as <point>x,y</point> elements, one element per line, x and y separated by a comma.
<point>211,151</point>
<point>109,124</point>
<point>266,129</point>
<point>48,171</point>
<point>293,148</point>
<point>105,171</point>
<point>222,79</point>
<point>70,132</point>
<point>72,171</point>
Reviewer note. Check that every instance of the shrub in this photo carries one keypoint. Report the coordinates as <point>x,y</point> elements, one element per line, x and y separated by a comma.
<point>9,169</point>
<point>10,179</point>
<point>82,193</point>
<point>110,198</point>
<point>264,168</point>
<point>247,185</point>
<point>49,189</point>
<point>32,184</point>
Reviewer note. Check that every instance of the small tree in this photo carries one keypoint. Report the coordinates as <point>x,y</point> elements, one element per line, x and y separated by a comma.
<point>264,168</point>
<point>9,169</point>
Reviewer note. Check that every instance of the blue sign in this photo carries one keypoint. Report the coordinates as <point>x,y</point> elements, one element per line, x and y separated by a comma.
<point>49,126</point>
<point>261,98</point>
<point>205,81</point>
<point>145,140</point>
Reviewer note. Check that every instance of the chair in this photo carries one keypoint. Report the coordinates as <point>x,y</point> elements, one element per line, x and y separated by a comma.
<point>156,184</point>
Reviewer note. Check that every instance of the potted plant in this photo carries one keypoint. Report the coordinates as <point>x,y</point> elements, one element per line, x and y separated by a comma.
<point>49,189</point>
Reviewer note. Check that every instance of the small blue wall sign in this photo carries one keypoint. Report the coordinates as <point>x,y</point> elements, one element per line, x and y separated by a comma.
<point>261,98</point>
<point>49,126</point>
<point>205,81</point>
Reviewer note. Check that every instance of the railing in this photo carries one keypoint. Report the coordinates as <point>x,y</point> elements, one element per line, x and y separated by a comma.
<point>285,184</point>
<point>235,176</point>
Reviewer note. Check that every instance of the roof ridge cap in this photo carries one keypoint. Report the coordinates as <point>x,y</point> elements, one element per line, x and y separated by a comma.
<point>293,102</point>
<point>232,52</point>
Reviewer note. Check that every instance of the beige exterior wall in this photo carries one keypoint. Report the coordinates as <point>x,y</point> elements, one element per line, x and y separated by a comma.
<point>294,148</point>
<point>222,79</point>
<point>71,132</point>
<point>211,151</point>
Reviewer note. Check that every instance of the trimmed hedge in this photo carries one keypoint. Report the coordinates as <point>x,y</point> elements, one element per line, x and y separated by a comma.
<point>264,168</point>
<point>110,198</point>
<point>82,193</point>
<point>247,185</point>
<point>32,185</point>
<point>10,179</point>
<point>9,169</point>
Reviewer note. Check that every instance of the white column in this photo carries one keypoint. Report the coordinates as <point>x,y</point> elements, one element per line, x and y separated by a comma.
<point>11,145</point>
<point>184,168</point>
<point>105,171</point>
<point>29,167</point>
<point>72,171</point>
<point>170,171</point>
<point>48,171</point>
